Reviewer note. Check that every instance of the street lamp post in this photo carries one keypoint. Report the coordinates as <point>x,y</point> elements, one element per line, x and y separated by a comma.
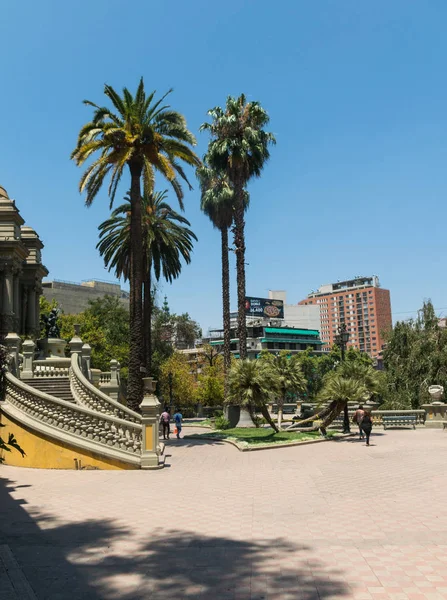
<point>341,340</point>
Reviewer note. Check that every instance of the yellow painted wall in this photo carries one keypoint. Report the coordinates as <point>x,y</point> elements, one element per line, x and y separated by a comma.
<point>43,452</point>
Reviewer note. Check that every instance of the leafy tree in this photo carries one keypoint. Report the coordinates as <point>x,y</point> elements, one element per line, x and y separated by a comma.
<point>186,331</point>
<point>104,325</point>
<point>239,147</point>
<point>316,367</point>
<point>183,382</point>
<point>251,387</point>
<point>415,357</point>
<point>166,241</point>
<point>210,385</point>
<point>144,136</point>
<point>217,202</point>
<point>286,375</point>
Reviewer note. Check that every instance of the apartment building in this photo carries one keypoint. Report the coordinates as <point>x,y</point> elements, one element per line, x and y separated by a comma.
<point>361,304</point>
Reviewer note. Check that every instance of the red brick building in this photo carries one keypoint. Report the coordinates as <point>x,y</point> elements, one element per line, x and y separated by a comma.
<point>362,305</point>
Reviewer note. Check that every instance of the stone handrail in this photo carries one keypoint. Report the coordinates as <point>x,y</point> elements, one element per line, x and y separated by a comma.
<point>86,394</point>
<point>76,425</point>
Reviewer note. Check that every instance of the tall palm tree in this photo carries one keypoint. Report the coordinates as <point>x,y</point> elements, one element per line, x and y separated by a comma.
<point>145,136</point>
<point>166,241</point>
<point>239,146</point>
<point>287,377</point>
<point>250,386</point>
<point>217,201</point>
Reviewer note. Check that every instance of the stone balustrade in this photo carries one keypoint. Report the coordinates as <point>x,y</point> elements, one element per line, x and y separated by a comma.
<point>105,377</point>
<point>377,416</point>
<point>74,424</point>
<point>86,394</point>
<point>41,371</point>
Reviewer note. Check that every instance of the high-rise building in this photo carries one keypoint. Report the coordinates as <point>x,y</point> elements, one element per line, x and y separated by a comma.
<point>361,304</point>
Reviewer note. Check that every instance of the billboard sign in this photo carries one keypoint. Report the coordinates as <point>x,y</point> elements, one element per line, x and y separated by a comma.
<point>263,307</point>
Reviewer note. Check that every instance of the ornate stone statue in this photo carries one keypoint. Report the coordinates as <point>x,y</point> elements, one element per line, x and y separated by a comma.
<point>51,324</point>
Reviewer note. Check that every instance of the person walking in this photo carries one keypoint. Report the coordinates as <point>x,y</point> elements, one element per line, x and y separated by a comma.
<point>357,419</point>
<point>178,417</point>
<point>366,425</point>
<point>165,420</point>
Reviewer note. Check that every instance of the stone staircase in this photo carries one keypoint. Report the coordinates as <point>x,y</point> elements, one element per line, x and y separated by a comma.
<point>59,387</point>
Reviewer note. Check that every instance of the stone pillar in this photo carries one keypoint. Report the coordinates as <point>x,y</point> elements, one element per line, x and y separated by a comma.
<point>76,343</point>
<point>37,294</point>
<point>16,302</point>
<point>31,312</point>
<point>24,310</point>
<point>150,416</point>
<point>114,372</point>
<point>8,298</point>
<point>28,357</point>
<point>436,414</point>
<point>13,343</point>
<point>86,352</point>
<point>112,389</point>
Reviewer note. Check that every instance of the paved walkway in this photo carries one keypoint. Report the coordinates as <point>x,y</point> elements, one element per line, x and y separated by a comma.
<point>332,520</point>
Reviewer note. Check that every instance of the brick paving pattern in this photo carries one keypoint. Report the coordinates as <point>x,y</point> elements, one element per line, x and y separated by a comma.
<point>333,520</point>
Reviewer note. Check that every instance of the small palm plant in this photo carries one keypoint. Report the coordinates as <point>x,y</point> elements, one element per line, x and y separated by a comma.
<point>287,377</point>
<point>337,392</point>
<point>250,384</point>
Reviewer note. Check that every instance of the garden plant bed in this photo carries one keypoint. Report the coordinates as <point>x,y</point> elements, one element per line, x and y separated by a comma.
<point>263,438</point>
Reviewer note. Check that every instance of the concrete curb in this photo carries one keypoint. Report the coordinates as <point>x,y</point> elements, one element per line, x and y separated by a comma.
<point>255,448</point>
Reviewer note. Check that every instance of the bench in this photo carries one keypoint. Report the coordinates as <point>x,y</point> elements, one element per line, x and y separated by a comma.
<point>288,409</point>
<point>399,421</point>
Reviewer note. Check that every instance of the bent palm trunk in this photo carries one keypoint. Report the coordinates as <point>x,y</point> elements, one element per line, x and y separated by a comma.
<point>265,413</point>
<point>280,411</point>
<point>327,415</point>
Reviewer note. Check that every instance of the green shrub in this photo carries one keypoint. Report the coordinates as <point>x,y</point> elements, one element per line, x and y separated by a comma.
<point>222,423</point>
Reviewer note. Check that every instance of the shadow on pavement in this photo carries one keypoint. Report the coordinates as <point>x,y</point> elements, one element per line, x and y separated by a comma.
<point>89,560</point>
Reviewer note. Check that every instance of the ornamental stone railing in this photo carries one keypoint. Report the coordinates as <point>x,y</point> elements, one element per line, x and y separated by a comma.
<point>77,425</point>
<point>105,377</point>
<point>45,370</point>
<point>377,416</point>
<point>86,394</point>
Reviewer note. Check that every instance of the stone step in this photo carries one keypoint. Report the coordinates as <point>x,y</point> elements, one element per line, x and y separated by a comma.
<point>54,386</point>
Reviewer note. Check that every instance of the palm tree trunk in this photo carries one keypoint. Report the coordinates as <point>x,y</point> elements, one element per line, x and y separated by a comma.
<point>135,381</point>
<point>239,242</point>
<point>226,308</point>
<point>327,415</point>
<point>265,413</point>
<point>148,317</point>
<point>280,410</point>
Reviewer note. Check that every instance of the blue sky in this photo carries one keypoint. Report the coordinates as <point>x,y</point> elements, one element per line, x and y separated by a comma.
<point>356,92</point>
